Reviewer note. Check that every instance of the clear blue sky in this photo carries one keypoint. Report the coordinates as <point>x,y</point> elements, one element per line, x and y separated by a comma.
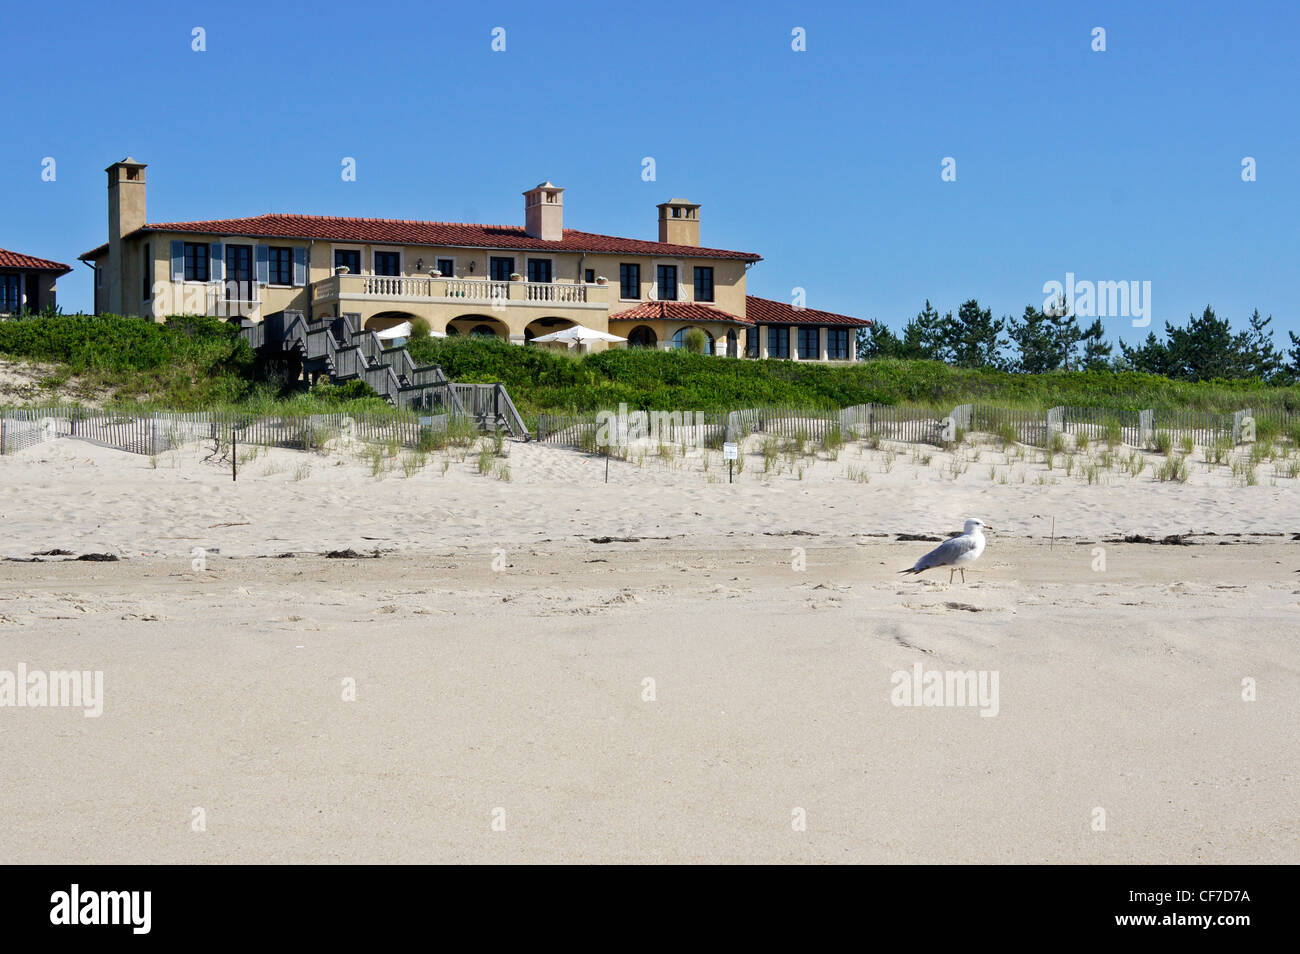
<point>1122,165</point>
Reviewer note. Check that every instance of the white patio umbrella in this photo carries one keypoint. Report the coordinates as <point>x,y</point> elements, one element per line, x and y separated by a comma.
<point>578,334</point>
<point>397,331</point>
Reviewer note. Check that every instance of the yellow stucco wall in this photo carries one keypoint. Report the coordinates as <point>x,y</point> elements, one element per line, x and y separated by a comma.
<point>170,297</point>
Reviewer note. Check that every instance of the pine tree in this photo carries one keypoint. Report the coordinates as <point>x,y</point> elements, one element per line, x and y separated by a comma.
<point>1151,358</point>
<point>1033,338</point>
<point>877,341</point>
<point>923,336</point>
<point>974,339</point>
<point>1065,335</point>
<point>1205,349</point>
<point>1261,359</point>
<point>1096,352</point>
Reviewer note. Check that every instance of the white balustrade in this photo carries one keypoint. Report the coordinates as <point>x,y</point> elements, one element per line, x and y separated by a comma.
<point>562,294</point>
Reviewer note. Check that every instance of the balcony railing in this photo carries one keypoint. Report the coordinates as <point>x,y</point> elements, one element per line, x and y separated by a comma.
<point>470,289</point>
<point>457,290</point>
<point>568,294</point>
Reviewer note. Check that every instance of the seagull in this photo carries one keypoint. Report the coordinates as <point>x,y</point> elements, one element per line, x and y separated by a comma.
<point>956,552</point>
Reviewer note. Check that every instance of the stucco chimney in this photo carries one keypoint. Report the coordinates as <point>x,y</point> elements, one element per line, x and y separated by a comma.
<point>544,212</point>
<point>679,222</point>
<point>125,215</point>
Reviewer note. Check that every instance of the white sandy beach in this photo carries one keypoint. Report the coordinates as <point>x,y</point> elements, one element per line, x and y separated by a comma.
<point>499,657</point>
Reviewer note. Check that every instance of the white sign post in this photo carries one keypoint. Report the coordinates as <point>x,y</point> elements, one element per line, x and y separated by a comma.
<point>730,451</point>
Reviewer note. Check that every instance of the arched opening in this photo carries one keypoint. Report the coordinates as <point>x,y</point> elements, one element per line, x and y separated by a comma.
<point>642,336</point>
<point>732,350</point>
<point>546,326</point>
<point>388,325</point>
<point>679,339</point>
<point>385,320</point>
<point>480,326</point>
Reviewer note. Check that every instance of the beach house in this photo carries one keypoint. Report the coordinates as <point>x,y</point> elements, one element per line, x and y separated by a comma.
<point>27,282</point>
<point>516,282</point>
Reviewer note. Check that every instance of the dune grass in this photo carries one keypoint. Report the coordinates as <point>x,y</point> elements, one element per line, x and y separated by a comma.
<point>200,363</point>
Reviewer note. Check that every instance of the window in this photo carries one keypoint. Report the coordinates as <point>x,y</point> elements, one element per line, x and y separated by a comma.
<point>751,343</point>
<point>447,266</point>
<point>99,276</point>
<point>10,294</point>
<point>778,341</point>
<point>809,346</point>
<point>196,261</point>
<point>146,272</point>
<point>280,260</point>
<point>239,273</point>
<point>500,268</point>
<point>589,276</point>
<point>349,258</point>
<point>387,263</point>
<point>837,344</point>
<point>703,283</point>
<point>539,270</point>
<point>667,282</point>
<point>642,336</point>
<point>629,281</point>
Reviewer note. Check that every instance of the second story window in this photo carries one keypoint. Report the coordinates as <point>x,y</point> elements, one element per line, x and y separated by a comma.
<point>539,270</point>
<point>280,260</point>
<point>196,261</point>
<point>448,267</point>
<point>667,276</point>
<point>146,272</point>
<point>629,281</point>
<point>388,263</point>
<point>349,258</point>
<point>500,267</point>
<point>703,283</point>
<point>589,276</point>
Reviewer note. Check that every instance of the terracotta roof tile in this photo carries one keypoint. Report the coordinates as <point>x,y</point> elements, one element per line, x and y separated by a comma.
<point>408,232</point>
<point>765,311</point>
<point>677,311</point>
<point>15,260</point>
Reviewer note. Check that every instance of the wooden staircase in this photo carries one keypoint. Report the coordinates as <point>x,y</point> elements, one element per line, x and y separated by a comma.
<point>343,352</point>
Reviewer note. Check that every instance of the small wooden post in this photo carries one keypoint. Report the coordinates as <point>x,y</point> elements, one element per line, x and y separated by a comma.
<point>606,463</point>
<point>234,455</point>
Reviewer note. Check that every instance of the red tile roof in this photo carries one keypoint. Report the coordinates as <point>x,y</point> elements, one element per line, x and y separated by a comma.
<point>406,232</point>
<point>15,260</point>
<point>765,311</point>
<point>677,311</point>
